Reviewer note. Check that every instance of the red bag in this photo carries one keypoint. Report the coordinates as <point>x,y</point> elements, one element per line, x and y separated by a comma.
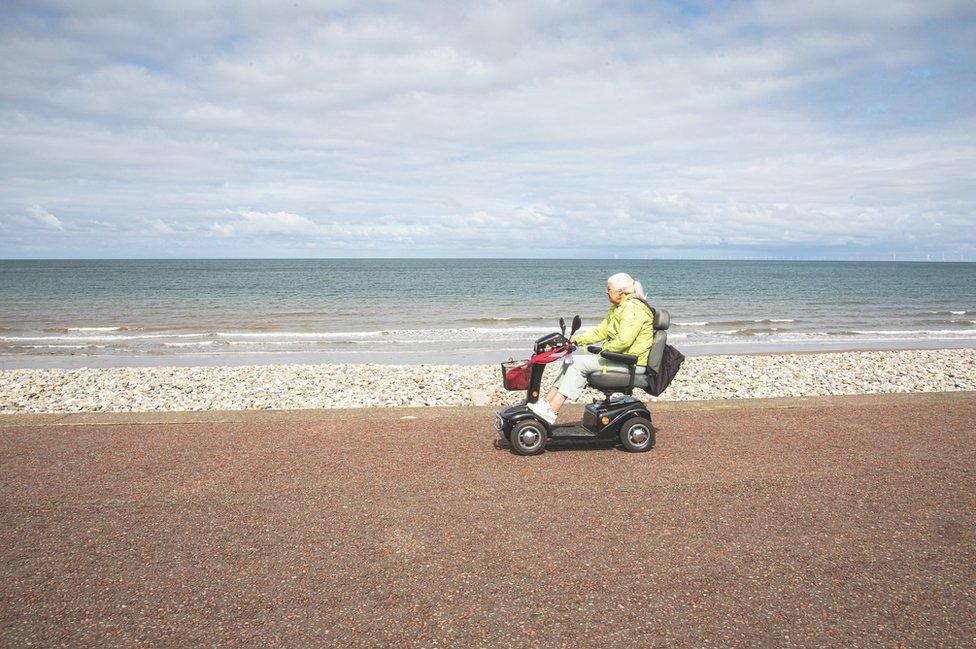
<point>516,375</point>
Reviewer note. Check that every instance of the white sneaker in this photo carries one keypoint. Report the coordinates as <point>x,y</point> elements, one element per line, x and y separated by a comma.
<point>543,408</point>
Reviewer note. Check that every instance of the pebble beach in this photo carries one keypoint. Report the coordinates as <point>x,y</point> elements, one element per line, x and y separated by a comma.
<point>268,387</point>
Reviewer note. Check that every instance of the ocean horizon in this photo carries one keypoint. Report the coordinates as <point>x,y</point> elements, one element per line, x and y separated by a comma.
<point>766,258</point>
<point>106,312</point>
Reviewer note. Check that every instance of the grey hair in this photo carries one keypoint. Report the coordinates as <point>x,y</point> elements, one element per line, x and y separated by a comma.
<point>627,284</point>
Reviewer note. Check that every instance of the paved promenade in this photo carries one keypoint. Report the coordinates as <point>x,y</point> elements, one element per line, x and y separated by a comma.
<point>802,522</point>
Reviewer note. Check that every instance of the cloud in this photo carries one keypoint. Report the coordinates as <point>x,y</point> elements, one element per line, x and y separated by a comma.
<point>269,223</point>
<point>432,128</point>
<point>161,227</point>
<point>44,218</point>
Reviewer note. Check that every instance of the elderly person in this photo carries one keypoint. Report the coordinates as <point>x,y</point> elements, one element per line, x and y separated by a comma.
<point>627,329</point>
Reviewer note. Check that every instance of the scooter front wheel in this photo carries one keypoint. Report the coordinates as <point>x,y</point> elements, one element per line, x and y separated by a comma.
<point>637,435</point>
<point>528,437</point>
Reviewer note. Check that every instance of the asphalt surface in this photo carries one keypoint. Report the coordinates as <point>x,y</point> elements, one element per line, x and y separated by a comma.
<point>820,525</point>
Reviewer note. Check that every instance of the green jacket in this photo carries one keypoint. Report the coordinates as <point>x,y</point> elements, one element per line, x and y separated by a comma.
<point>628,329</point>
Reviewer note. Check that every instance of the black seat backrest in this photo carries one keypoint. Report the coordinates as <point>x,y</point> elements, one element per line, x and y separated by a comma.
<point>662,320</point>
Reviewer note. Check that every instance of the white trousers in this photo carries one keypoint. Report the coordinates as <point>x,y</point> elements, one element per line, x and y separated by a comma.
<point>571,379</point>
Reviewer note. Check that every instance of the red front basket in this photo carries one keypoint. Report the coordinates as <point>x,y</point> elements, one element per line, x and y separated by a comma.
<point>516,375</point>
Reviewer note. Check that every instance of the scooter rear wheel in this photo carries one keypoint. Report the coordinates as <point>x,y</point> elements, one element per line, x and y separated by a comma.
<point>528,437</point>
<point>637,435</point>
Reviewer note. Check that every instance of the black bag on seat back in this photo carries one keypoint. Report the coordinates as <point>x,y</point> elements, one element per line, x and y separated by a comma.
<point>657,382</point>
<point>666,359</point>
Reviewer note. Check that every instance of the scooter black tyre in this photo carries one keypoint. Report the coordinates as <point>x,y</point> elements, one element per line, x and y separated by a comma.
<point>528,437</point>
<point>637,435</point>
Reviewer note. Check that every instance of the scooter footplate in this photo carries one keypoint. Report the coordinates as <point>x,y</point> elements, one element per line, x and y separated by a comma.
<point>573,431</point>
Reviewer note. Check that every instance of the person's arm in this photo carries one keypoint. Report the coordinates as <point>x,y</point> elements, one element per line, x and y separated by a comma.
<point>631,321</point>
<point>596,334</point>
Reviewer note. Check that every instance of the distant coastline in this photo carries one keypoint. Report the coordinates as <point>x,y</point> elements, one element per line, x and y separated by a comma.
<point>792,259</point>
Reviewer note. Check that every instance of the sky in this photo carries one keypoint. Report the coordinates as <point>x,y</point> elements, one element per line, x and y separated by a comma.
<point>812,129</point>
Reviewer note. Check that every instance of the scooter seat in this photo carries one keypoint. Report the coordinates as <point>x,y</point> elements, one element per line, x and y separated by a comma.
<point>617,380</point>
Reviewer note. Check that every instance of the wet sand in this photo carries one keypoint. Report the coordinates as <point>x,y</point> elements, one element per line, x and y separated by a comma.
<point>808,522</point>
<point>440,357</point>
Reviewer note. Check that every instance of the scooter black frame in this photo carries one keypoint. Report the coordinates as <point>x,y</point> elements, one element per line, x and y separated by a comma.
<point>603,419</point>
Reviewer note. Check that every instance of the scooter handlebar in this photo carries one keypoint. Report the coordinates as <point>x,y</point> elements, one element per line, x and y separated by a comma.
<point>553,354</point>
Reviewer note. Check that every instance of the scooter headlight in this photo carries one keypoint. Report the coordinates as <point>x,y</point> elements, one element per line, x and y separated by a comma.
<point>499,422</point>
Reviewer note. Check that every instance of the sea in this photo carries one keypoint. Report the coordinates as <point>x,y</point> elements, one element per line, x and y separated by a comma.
<point>98,313</point>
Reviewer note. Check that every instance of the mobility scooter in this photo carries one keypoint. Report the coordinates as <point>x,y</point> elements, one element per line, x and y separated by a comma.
<point>622,418</point>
